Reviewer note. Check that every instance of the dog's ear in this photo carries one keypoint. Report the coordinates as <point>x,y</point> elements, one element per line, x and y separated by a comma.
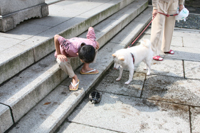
<point>113,55</point>
<point>122,59</point>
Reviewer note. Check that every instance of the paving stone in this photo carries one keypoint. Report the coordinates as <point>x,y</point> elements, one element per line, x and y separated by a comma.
<point>177,41</point>
<point>191,41</point>
<point>7,43</point>
<point>128,114</point>
<point>171,89</point>
<point>192,69</point>
<point>109,83</point>
<point>78,128</point>
<point>185,53</point>
<point>186,32</point>
<point>190,38</point>
<point>167,67</point>
<point>195,119</point>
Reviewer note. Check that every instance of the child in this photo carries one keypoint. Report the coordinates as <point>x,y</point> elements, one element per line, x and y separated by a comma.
<point>82,47</point>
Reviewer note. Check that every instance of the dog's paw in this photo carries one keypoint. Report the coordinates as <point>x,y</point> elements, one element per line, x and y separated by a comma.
<point>118,79</point>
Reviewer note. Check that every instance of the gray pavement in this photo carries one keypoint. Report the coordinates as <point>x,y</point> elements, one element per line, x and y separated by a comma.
<point>166,101</point>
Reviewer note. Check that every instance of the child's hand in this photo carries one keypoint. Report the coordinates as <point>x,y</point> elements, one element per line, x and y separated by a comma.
<point>62,57</point>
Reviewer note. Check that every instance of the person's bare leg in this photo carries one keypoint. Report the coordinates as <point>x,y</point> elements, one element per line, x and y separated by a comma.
<point>86,68</point>
<point>74,81</point>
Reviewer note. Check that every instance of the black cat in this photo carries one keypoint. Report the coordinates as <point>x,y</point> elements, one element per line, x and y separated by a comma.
<point>95,97</point>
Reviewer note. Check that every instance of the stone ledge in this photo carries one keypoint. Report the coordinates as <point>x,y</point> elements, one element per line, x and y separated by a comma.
<point>9,21</point>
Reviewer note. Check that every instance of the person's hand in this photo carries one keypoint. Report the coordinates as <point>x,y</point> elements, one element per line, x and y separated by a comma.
<point>62,57</point>
<point>154,13</point>
<point>180,7</point>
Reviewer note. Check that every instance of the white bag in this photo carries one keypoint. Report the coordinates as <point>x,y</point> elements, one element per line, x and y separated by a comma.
<point>183,14</point>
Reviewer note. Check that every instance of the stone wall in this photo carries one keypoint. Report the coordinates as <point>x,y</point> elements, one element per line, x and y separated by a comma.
<point>12,12</point>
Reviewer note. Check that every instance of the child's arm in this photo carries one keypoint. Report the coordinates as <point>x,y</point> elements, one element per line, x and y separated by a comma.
<point>57,47</point>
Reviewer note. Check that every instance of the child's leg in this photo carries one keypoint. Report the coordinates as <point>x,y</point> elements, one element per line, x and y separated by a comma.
<point>67,68</point>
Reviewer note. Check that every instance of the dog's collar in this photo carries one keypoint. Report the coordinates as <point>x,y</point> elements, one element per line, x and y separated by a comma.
<point>133,58</point>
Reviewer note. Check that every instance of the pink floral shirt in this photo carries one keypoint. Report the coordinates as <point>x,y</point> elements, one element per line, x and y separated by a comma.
<point>70,47</point>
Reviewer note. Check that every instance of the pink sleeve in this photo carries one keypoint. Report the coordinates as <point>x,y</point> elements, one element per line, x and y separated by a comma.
<point>91,34</point>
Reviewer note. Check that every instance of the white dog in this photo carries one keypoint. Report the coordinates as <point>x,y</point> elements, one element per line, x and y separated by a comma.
<point>127,58</point>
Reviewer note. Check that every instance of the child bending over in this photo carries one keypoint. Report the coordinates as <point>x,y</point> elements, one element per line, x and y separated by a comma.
<point>76,46</point>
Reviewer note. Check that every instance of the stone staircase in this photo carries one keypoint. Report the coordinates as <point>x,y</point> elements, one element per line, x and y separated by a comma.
<point>34,95</point>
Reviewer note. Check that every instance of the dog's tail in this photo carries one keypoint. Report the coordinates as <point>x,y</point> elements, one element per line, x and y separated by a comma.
<point>146,43</point>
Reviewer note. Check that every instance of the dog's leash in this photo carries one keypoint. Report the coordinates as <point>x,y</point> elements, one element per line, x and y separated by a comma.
<point>141,32</point>
<point>138,37</point>
<point>167,15</point>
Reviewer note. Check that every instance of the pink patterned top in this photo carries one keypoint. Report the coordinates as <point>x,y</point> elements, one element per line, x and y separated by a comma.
<point>70,47</point>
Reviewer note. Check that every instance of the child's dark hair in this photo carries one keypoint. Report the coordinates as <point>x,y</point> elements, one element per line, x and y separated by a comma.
<point>86,53</point>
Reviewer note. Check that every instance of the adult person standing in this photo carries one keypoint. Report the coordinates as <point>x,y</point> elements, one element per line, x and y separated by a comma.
<point>163,25</point>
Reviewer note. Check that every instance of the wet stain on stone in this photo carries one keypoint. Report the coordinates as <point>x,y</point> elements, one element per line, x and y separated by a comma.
<point>43,65</point>
<point>43,116</point>
<point>55,103</point>
<point>173,107</point>
<point>175,90</point>
<point>63,93</point>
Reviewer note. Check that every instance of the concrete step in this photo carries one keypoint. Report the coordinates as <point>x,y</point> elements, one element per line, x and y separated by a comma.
<point>33,40</point>
<point>49,113</point>
<point>26,91</point>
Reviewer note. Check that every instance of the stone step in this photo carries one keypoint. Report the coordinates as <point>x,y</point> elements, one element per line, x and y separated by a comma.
<point>26,91</point>
<point>33,40</point>
<point>48,114</point>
